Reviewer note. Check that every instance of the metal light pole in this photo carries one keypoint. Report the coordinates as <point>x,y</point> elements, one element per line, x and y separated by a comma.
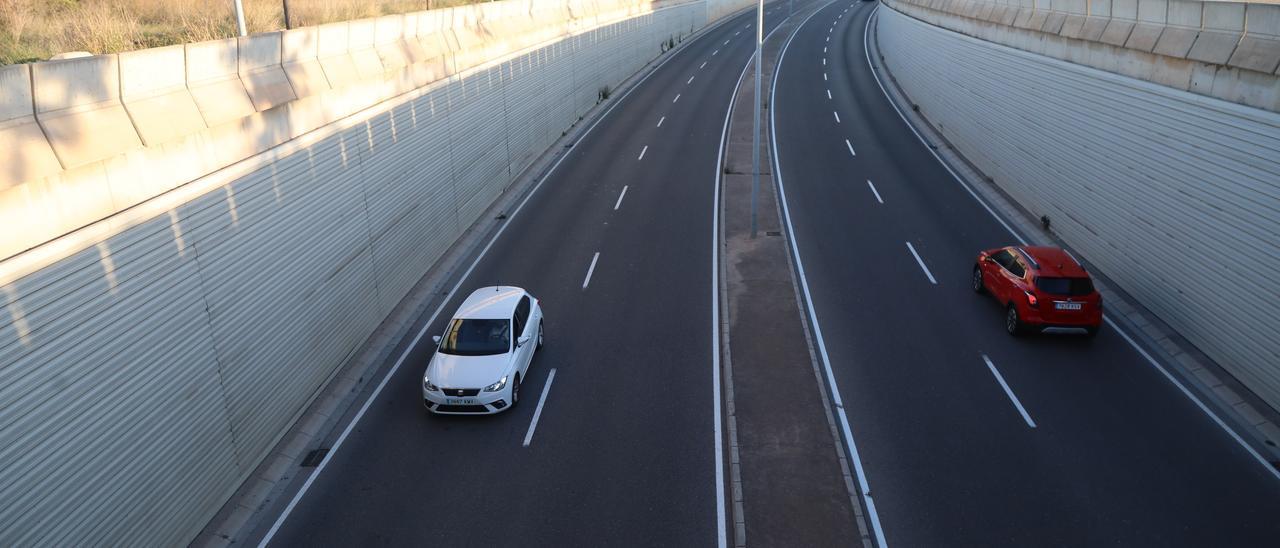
<point>755,123</point>
<point>240,18</point>
<point>287,23</point>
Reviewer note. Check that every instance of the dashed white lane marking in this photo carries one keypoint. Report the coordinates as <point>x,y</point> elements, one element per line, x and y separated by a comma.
<point>537,413</point>
<point>624,195</point>
<point>642,151</point>
<point>824,61</point>
<point>837,115</point>
<point>715,52</point>
<point>590,270</point>
<point>828,38</point>
<point>690,81</point>
<point>726,42</point>
<point>737,33</point>
<point>869,183</point>
<point>660,120</point>
<point>676,99</point>
<point>824,49</point>
<point>828,94</point>
<point>824,77</point>
<point>920,262</point>
<point>704,65</point>
<point>1005,386</point>
<point>850,145</point>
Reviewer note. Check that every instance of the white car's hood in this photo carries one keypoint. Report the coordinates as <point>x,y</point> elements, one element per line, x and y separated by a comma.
<point>450,371</point>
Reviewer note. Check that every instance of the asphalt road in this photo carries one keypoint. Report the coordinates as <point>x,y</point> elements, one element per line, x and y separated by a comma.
<point>1117,455</point>
<point>624,449</point>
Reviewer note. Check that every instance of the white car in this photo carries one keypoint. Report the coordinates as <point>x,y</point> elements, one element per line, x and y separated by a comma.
<point>484,353</point>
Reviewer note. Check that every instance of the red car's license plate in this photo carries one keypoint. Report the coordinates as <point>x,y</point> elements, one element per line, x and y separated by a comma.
<point>1067,306</point>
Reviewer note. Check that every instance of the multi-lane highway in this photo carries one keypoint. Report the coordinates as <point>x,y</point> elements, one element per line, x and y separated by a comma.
<point>617,243</point>
<point>967,436</point>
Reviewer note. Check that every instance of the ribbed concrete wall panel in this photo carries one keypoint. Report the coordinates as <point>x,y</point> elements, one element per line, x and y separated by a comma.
<point>1174,195</point>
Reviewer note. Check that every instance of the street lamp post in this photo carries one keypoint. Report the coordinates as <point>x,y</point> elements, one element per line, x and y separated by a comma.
<point>755,124</point>
<point>240,18</point>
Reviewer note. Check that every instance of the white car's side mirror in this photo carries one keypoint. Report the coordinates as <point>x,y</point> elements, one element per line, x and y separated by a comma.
<point>522,341</point>
<point>436,338</point>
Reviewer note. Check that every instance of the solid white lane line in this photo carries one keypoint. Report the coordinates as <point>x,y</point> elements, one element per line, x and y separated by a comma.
<point>537,413</point>
<point>869,183</point>
<point>591,269</point>
<point>660,120</point>
<point>690,81</point>
<point>704,65</point>
<point>642,151</point>
<point>863,484</point>
<point>624,195</point>
<point>837,115</point>
<point>1008,391</point>
<point>828,94</point>
<point>850,145</point>
<point>676,99</point>
<point>921,263</point>
<point>364,408</point>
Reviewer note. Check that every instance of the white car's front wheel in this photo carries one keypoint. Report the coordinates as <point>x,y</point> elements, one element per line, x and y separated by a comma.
<point>539,334</point>
<point>515,390</point>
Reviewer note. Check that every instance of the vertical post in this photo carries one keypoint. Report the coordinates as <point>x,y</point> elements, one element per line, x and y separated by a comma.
<point>288,24</point>
<point>240,18</point>
<point>755,124</point>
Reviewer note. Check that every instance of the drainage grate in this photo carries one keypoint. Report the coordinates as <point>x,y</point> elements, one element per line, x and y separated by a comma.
<point>314,457</point>
<point>773,233</point>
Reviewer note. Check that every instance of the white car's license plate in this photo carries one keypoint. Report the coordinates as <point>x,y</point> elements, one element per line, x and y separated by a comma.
<point>1067,306</point>
<point>460,401</point>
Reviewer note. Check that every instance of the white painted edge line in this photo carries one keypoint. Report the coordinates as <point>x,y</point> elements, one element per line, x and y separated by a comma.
<point>690,81</point>
<point>676,99</point>
<point>1141,351</point>
<point>620,197</point>
<point>848,144</point>
<point>863,484</point>
<point>837,115</point>
<point>537,413</point>
<point>921,263</point>
<point>721,535</point>
<point>590,270</point>
<point>297,497</point>
<point>828,94</point>
<point>873,191</point>
<point>642,151</point>
<point>660,120</point>
<point>1012,397</point>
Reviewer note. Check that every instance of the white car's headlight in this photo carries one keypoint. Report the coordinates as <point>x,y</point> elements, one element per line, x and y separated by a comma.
<point>426,384</point>
<point>502,383</point>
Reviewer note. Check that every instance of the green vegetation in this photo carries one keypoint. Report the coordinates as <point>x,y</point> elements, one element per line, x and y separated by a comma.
<point>33,30</point>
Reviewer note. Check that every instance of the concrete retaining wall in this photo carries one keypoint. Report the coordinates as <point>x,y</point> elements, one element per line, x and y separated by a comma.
<point>1228,50</point>
<point>1176,196</point>
<point>180,285</point>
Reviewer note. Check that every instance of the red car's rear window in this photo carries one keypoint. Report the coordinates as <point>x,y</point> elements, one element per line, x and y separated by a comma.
<point>1065,286</point>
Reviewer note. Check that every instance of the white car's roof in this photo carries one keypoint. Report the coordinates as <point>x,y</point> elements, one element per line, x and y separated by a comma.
<point>490,303</point>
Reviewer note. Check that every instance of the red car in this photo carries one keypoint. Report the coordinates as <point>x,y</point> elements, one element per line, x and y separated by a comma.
<point>1039,287</point>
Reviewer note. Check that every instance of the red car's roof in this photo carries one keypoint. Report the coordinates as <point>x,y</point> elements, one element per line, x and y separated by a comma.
<point>1055,262</point>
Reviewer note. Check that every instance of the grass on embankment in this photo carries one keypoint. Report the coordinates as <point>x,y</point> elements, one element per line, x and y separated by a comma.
<point>34,30</point>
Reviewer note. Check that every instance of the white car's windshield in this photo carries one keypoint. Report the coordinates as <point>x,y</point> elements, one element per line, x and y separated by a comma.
<point>477,337</point>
